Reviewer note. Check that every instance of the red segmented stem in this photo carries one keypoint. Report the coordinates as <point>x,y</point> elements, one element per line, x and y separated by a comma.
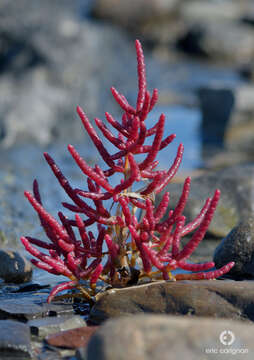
<point>137,203</point>
<point>141,76</point>
<point>156,144</point>
<point>206,275</point>
<point>122,101</point>
<point>108,135</point>
<point>199,234</point>
<point>177,236</point>
<point>183,199</point>
<point>154,99</point>
<point>58,266</point>
<point>87,170</point>
<point>61,287</point>
<point>152,186</point>
<point>126,211</point>
<point>94,137</point>
<point>172,171</point>
<point>47,217</point>
<point>82,232</point>
<point>134,130</point>
<point>152,256</point>
<point>112,247</point>
<point>40,243</point>
<point>195,267</point>
<point>197,221</point>
<point>85,273</point>
<point>146,107</point>
<point>116,124</point>
<point>149,214</point>
<point>134,176</point>
<point>42,265</point>
<point>95,275</point>
<point>162,207</point>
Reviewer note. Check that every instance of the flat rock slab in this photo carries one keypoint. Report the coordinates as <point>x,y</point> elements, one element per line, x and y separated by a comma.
<point>158,337</point>
<point>26,308</point>
<point>72,339</point>
<point>14,339</point>
<point>50,325</point>
<point>212,298</point>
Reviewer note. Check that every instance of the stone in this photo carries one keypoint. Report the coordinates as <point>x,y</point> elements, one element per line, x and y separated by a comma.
<point>14,340</point>
<point>212,298</point>
<point>215,117</point>
<point>141,11</point>
<point>157,337</point>
<point>53,324</point>
<point>72,339</point>
<point>236,186</point>
<point>238,246</point>
<point>44,73</point>
<point>26,308</point>
<point>14,267</point>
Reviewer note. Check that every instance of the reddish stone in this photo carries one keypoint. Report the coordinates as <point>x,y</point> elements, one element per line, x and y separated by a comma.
<point>72,339</point>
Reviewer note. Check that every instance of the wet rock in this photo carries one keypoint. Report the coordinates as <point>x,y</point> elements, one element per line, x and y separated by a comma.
<point>50,325</point>
<point>31,307</point>
<point>14,267</point>
<point>14,340</point>
<point>215,117</point>
<point>236,186</point>
<point>238,246</point>
<point>72,339</point>
<point>154,337</point>
<point>225,299</point>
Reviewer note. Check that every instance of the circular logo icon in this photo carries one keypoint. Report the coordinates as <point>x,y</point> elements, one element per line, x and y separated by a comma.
<point>227,337</point>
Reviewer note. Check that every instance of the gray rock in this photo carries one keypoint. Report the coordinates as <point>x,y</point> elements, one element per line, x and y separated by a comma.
<point>236,202</point>
<point>220,299</point>
<point>14,340</point>
<point>238,246</point>
<point>156,337</point>
<point>134,16</point>
<point>50,325</point>
<point>215,117</point>
<point>31,307</point>
<point>14,267</point>
<point>44,73</point>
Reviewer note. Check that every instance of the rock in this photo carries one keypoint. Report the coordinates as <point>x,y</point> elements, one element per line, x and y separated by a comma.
<point>205,10</point>
<point>238,246</point>
<point>14,340</point>
<point>141,11</point>
<point>26,308</point>
<point>14,267</point>
<point>236,186</point>
<point>51,325</point>
<point>220,299</point>
<point>72,339</point>
<point>215,117</point>
<point>224,41</point>
<point>157,337</point>
<point>44,73</point>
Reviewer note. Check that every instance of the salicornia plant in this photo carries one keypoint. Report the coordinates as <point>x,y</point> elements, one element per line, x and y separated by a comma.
<point>135,238</point>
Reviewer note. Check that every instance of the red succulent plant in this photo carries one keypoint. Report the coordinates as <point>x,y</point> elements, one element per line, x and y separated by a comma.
<point>134,240</point>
